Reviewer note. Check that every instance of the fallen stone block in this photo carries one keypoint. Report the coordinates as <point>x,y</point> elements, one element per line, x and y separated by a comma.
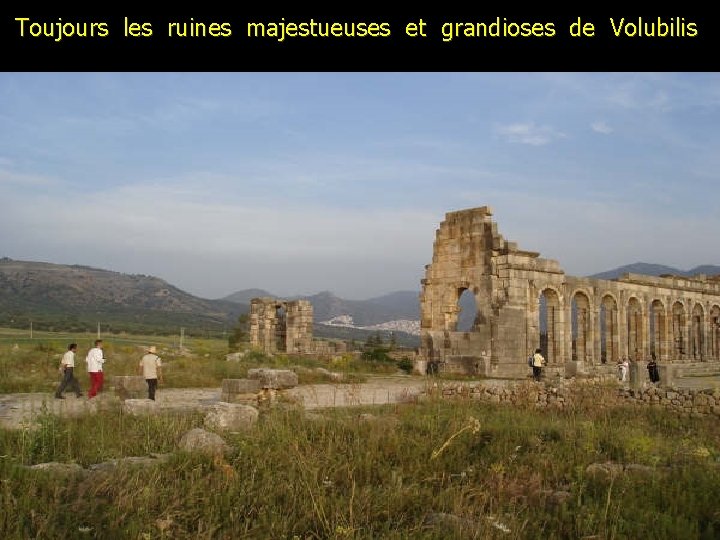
<point>241,386</point>
<point>245,399</point>
<point>201,441</point>
<point>231,417</point>
<point>274,378</point>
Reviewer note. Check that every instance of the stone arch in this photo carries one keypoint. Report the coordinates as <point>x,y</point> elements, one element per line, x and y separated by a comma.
<point>635,329</point>
<point>697,333</point>
<point>467,310</point>
<point>550,324</point>
<point>658,329</point>
<point>609,336</point>
<point>678,333</point>
<point>581,328</point>
<point>714,327</point>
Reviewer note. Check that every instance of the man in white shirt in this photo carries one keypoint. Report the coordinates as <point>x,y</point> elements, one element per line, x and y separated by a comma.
<point>150,367</point>
<point>95,363</point>
<point>67,366</point>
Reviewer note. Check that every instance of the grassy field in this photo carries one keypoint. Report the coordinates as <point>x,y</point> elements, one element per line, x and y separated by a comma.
<point>430,470</point>
<point>435,469</point>
<point>31,365</point>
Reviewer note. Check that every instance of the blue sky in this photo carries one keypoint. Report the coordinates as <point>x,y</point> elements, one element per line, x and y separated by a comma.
<point>301,182</point>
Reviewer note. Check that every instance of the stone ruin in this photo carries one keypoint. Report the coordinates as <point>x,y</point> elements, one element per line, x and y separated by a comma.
<point>526,302</point>
<point>286,326</point>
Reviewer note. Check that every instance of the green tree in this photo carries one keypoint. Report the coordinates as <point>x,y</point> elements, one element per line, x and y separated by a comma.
<point>240,334</point>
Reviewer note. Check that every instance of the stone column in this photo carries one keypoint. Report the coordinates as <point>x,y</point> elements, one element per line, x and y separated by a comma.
<point>622,328</point>
<point>596,338</point>
<point>644,339</point>
<point>560,341</point>
<point>665,334</point>
<point>688,336</point>
<point>567,331</point>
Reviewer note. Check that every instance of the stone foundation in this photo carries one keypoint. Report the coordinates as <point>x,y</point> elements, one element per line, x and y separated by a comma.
<point>590,394</point>
<point>128,387</point>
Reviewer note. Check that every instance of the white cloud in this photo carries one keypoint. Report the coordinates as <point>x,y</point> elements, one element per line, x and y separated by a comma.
<point>29,180</point>
<point>529,133</point>
<point>601,127</point>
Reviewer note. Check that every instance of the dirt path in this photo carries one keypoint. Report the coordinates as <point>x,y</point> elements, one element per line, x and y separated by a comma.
<point>16,409</point>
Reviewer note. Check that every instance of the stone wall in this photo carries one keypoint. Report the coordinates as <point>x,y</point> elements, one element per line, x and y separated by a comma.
<point>281,326</point>
<point>524,302</point>
<point>588,394</point>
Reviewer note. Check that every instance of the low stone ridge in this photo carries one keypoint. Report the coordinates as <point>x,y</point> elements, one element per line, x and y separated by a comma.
<point>231,417</point>
<point>201,441</point>
<point>241,386</point>
<point>686,402</point>
<point>128,386</point>
<point>55,467</point>
<point>131,461</point>
<point>276,379</point>
<point>137,407</point>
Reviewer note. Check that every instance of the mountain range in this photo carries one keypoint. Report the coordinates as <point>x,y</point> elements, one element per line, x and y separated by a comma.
<point>389,307</point>
<point>657,270</point>
<point>77,298</point>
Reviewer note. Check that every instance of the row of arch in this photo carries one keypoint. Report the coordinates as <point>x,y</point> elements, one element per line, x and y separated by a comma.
<point>676,331</point>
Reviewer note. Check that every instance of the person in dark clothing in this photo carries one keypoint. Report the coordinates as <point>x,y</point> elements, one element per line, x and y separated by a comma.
<point>653,369</point>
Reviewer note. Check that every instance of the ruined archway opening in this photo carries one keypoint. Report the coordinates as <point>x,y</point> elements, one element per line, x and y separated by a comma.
<point>467,317</point>
<point>550,325</point>
<point>609,342</point>
<point>580,326</point>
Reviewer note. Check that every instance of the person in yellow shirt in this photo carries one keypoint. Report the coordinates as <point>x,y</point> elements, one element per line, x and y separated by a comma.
<point>538,363</point>
<point>151,369</point>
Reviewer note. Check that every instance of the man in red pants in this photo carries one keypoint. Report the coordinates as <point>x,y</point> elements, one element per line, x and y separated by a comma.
<point>95,361</point>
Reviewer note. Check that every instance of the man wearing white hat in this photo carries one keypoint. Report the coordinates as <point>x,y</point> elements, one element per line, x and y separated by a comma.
<point>150,367</point>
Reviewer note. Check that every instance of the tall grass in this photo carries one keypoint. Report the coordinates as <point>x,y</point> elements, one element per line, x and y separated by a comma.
<point>406,471</point>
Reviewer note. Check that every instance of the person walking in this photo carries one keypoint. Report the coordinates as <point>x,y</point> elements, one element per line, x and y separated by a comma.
<point>538,362</point>
<point>95,361</point>
<point>67,367</point>
<point>151,369</point>
<point>623,368</point>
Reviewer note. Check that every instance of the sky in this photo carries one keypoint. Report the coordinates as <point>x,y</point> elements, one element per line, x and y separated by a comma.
<point>305,182</point>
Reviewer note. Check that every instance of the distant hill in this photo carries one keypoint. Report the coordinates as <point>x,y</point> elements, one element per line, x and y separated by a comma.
<point>78,297</point>
<point>656,270</point>
<point>244,296</point>
<point>326,305</point>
